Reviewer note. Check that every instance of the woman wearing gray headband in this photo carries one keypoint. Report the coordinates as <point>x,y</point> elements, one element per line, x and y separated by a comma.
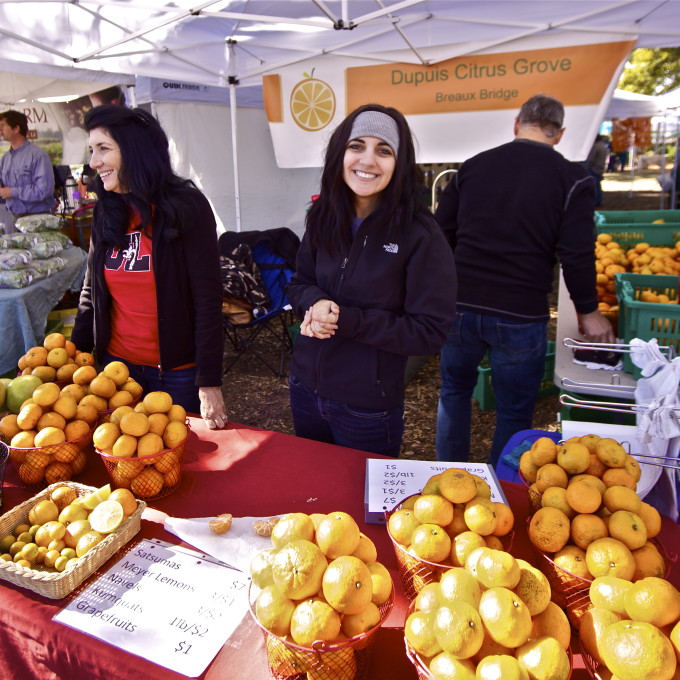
<point>375,282</point>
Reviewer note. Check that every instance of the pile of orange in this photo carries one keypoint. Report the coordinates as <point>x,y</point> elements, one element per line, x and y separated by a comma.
<point>633,629</point>
<point>320,580</point>
<point>591,519</point>
<point>63,526</point>
<point>490,618</point>
<point>49,435</point>
<point>452,515</point>
<point>642,258</point>
<point>56,359</point>
<point>140,444</point>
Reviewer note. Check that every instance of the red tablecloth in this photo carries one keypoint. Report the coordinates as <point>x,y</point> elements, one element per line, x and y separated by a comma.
<point>247,472</point>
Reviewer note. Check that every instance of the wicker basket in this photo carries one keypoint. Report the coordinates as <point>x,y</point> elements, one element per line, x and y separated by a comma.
<point>571,592</point>
<point>39,466</point>
<point>4,455</point>
<point>416,572</point>
<point>288,661</point>
<point>130,473</point>
<point>424,672</point>
<point>533,496</point>
<point>56,585</point>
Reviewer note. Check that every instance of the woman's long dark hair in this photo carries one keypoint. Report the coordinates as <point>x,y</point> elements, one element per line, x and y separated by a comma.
<point>151,185</point>
<point>329,218</point>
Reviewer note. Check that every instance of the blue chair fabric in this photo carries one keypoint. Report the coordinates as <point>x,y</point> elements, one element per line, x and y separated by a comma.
<point>274,252</point>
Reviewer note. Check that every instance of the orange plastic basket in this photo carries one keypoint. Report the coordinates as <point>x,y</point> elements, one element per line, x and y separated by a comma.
<point>288,661</point>
<point>416,572</point>
<point>38,467</point>
<point>424,672</point>
<point>148,477</point>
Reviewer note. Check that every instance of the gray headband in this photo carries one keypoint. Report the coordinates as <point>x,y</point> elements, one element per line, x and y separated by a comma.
<point>376,124</point>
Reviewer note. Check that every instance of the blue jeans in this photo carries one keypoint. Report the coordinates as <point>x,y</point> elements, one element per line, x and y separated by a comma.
<point>180,384</point>
<point>517,357</point>
<point>326,420</point>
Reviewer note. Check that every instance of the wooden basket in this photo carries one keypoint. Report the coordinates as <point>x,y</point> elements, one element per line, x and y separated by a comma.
<point>53,584</point>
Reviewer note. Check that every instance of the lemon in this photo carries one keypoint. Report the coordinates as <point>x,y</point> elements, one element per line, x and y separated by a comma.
<point>107,517</point>
<point>92,500</point>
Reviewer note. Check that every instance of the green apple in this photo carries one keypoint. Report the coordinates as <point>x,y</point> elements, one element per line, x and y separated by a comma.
<point>20,389</point>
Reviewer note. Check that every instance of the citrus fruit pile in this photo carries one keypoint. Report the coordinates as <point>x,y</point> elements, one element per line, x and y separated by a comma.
<point>490,618</point>
<point>62,527</point>
<point>49,435</point>
<point>49,432</point>
<point>451,516</point>
<point>320,580</point>
<point>133,438</point>
<point>642,258</point>
<point>633,629</point>
<point>591,519</point>
<point>56,359</point>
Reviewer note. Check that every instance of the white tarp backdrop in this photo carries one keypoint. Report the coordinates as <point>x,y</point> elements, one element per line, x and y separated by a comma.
<point>215,42</point>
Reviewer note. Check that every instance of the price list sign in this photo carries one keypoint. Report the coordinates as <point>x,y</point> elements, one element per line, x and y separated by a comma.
<point>391,482</point>
<point>170,605</point>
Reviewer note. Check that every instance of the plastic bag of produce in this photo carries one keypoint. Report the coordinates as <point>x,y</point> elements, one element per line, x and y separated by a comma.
<point>25,241</point>
<point>6,241</point>
<point>48,266</point>
<point>58,236</point>
<point>43,222</point>
<point>16,278</point>
<point>15,258</point>
<point>45,248</point>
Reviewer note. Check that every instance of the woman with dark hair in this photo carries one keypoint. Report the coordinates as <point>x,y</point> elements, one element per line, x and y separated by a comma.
<point>152,296</point>
<point>375,281</point>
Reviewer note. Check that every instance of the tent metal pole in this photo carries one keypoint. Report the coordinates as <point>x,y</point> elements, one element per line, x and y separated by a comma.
<point>234,153</point>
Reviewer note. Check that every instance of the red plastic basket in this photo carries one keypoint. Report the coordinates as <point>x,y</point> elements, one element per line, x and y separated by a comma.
<point>131,473</point>
<point>416,572</point>
<point>288,661</point>
<point>37,467</point>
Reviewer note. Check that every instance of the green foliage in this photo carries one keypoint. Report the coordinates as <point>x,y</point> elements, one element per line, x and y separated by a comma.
<point>652,71</point>
<point>54,150</point>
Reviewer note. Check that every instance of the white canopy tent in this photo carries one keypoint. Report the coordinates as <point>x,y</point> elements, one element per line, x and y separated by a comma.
<point>234,43</point>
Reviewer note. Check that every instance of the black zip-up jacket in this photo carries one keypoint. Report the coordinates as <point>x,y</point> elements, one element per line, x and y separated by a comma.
<point>397,298</point>
<point>509,214</point>
<point>188,293</point>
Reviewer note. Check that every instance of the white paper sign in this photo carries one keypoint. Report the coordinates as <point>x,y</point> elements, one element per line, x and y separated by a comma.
<point>165,603</point>
<point>389,482</point>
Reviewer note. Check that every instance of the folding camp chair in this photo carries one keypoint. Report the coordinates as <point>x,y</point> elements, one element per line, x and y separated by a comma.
<point>274,252</point>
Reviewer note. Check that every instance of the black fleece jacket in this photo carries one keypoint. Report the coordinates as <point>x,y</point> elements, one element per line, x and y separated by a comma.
<point>397,298</point>
<point>188,293</point>
<point>509,214</point>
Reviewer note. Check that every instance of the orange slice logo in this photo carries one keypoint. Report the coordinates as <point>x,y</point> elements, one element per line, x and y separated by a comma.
<point>312,104</point>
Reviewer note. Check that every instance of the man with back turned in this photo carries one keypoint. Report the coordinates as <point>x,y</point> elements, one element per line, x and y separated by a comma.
<point>509,214</point>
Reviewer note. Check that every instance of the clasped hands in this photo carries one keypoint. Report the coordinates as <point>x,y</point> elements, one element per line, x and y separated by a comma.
<point>321,320</point>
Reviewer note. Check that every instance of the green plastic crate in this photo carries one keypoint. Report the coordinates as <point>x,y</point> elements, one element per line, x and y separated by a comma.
<point>483,392</point>
<point>647,320</point>
<point>636,216</point>
<point>628,234</point>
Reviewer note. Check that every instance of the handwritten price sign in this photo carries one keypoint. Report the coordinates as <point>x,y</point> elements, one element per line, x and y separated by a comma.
<point>391,482</point>
<point>165,603</point>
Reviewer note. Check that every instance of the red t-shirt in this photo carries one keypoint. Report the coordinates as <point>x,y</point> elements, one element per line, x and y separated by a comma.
<point>128,272</point>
